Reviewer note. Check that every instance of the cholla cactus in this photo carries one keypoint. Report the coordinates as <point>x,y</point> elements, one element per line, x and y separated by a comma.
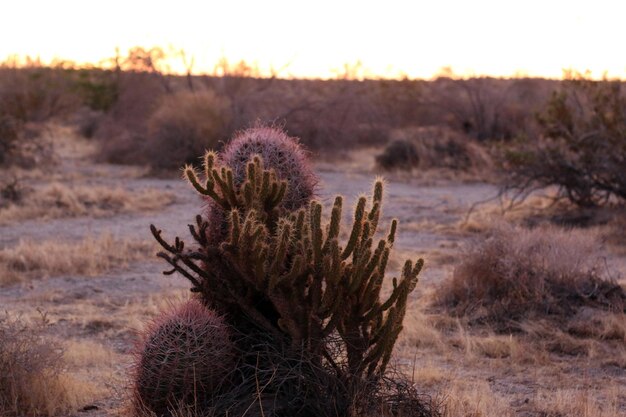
<point>185,355</point>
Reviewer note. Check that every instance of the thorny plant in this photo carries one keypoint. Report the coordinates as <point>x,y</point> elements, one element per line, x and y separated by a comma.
<point>288,274</point>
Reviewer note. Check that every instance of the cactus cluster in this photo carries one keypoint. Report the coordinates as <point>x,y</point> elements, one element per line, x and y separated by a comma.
<point>279,269</point>
<point>279,152</point>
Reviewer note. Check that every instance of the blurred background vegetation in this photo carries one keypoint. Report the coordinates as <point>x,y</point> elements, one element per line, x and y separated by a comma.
<point>530,132</point>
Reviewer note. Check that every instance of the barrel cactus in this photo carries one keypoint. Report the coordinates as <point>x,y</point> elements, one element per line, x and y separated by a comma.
<point>279,152</point>
<point>184,356</point>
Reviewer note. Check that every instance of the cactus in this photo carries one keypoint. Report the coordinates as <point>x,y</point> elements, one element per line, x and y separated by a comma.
<point>279,152</point>
<point>283,272</point>
<point>290,275</point>
<point>185,355</point>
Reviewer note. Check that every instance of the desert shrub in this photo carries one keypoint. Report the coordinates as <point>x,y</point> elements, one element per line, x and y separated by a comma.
<point>86,121</point>
<point>31,371</point>
<point>431,147</point>
<point>313,331</point>
<point>24,144</point>
<point>29,96</point>
<point>516,274</point>
<point>98,89</point>
<point>34,93</point>
<point>184,126</point>
<point>581,148</point>
<point>398,154</point>
<point>325,115</point>
<point>11,192</point>
<point>122,131</point>
<point>483,108</point>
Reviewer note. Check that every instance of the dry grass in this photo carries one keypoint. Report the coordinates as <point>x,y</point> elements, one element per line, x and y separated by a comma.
<point>419,332</point>
<point>91,256</point>
<point>86,353</point>
<point>58,200</point>
<point>475,399</point>
<point>530,209</point>
<point>490,345</point>
<point>580,402</point>
<point>33,381</point>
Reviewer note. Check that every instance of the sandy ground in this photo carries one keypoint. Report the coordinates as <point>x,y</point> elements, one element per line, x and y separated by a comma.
<point>108,309</point>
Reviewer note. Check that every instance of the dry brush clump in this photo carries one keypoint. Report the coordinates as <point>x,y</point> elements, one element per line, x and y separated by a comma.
<point>33,381</point>
<point>31,95</point>
<point>312,332</point>
<point>432,147</point>
<point>519,275</point>
<point>184,126</point>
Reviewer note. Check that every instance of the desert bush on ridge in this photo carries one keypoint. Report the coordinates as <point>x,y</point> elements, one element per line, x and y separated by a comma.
<point>35,93</point>
<point>115,104</point>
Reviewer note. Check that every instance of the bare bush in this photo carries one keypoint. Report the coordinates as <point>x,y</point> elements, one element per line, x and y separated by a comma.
<point>581,149</point>
<point>484,108</point>
<point>184,126</point>
<point>30,95</point>
<point>518,273</point>
<point>32,380</point>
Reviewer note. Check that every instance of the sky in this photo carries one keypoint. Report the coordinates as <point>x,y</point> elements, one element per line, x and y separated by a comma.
<point>316,38</point>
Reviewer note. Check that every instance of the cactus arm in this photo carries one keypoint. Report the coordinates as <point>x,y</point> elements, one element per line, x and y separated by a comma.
<point>356,228</point>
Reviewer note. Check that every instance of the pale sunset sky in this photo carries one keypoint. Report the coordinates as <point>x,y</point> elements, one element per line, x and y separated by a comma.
<point>316,38</point>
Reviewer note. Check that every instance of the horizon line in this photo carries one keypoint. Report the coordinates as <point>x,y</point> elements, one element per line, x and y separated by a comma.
<point>355,71</point>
